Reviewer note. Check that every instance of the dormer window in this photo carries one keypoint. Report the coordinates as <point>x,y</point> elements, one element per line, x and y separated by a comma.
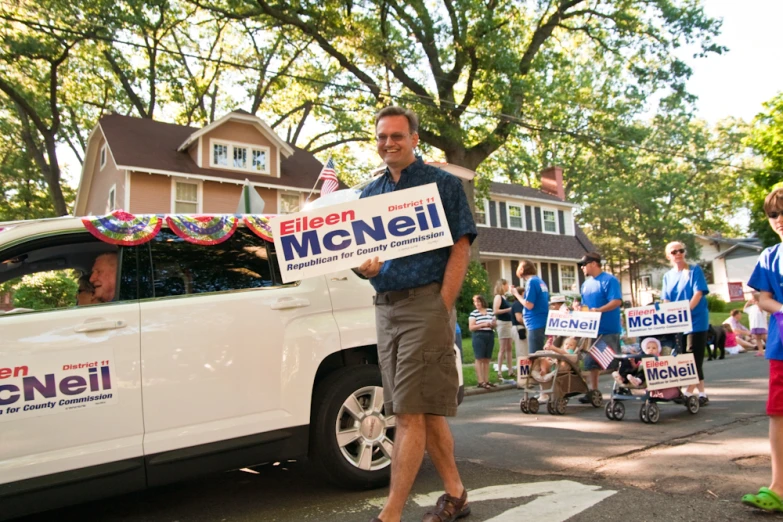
<point>550,221</point>
<point>239,156</point>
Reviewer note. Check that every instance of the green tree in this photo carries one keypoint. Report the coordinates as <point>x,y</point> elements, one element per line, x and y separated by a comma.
<point>476,283</point>
<point>43,290</point>
<point>766,139</point>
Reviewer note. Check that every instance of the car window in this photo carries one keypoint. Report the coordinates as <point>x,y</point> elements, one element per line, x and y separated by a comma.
<point>182,268</point>
<point>60,273</point>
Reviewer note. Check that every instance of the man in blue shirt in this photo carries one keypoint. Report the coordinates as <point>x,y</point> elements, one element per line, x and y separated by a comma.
<point>415,321</point>
<point>601,292</point>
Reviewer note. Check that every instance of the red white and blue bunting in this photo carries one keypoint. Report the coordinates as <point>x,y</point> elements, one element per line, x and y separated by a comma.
<point>203,230</point>
<point>260,226</point>
<point>124,229</point>
<point>121,228</point>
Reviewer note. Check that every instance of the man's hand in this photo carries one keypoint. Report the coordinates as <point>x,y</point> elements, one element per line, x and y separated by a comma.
<point>370,268</point>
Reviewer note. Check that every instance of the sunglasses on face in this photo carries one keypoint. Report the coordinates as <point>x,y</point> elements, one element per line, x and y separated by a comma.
<point>773,215</point>
<point>678,251</point>
<point>396,138</point>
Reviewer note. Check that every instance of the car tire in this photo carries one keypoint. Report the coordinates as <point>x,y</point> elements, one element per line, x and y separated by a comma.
<point>351,439</point>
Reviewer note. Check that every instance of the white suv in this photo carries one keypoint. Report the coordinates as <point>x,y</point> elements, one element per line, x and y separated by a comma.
<point>203,362</point>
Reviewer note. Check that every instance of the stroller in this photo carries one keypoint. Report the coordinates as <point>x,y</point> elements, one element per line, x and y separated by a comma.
<point>650,412</point>
<point>561,383</point>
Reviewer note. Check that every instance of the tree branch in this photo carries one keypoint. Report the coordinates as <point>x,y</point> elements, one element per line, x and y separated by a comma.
<point>329,145</point>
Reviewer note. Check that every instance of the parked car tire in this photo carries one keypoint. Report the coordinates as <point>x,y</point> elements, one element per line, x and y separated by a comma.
<point>351,439</point>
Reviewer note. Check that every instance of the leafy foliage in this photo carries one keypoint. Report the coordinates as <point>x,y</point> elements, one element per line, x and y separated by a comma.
<point>766,138</point>
<point>43,290</point>
<point>476,283</point>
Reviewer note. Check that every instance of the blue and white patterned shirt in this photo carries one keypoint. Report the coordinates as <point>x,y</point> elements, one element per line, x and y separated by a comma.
<point>426,267</point>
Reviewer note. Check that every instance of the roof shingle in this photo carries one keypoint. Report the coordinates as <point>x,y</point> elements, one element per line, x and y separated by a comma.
<point>150,144</point>
<point>523,243</point>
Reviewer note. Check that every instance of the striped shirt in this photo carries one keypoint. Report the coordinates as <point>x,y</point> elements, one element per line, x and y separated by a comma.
<point>483,320</point>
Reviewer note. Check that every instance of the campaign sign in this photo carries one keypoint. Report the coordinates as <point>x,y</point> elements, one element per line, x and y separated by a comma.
<point>337,237</point>
<point>523,370</point>
<point>669,371</point>
<point>573,324</point>
<point>669,318</point>
<point>55,382</point>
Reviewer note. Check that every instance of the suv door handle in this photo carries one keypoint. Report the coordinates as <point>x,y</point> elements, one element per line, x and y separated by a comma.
<point>343,278</point>
<point>290,302</point>
<point>98,326</point>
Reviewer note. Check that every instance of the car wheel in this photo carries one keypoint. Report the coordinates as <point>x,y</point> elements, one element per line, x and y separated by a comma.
<point>351,437</point>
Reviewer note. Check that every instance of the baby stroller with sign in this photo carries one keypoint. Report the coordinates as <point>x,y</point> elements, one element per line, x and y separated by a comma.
<point>649,412</point>
<point>556,375</point>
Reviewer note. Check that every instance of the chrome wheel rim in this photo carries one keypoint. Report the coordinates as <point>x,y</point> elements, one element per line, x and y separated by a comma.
<point>365,435</point>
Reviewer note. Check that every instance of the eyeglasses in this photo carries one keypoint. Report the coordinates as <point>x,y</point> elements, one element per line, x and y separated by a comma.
<point>677,251</point>
<point>397,137</point>
<point>773,215</point>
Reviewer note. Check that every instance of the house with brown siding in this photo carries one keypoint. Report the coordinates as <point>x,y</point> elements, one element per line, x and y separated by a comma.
<point>144,166</point>
<point>517,222</point>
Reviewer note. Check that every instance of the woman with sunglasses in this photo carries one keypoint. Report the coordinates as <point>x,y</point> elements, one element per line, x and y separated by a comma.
<point>686,282</point>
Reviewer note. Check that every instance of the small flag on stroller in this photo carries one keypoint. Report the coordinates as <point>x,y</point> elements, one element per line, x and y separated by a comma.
<point>601,353</point>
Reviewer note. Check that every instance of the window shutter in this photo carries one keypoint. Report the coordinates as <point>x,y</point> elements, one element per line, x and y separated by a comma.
<point>514,278</point>
<point>493,215</point>
<point>555,278</point>
<point>561,218</point>
<point>528,217</point>
<point>545,274</point>
<point>503,216</point>
<point>581,276</point>
<point>538,219</point>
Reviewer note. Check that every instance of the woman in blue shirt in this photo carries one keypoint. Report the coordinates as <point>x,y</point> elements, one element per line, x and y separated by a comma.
<point>536,303</point>
<point>687,283</point>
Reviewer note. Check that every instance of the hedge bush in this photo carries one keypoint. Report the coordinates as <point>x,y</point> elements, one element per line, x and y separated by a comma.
<point>476,282</point>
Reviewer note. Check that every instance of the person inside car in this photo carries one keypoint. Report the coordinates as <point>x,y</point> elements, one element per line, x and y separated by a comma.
<point>104,277</point>
<point>86,294</point>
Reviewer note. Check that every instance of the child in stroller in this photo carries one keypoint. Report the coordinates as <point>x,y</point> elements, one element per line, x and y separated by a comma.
<point>630,377</point>
<point>555,371</point>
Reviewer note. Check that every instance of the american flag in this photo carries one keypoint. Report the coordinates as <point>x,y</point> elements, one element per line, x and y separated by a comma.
<point>601,353</point>
<point>329,176</point>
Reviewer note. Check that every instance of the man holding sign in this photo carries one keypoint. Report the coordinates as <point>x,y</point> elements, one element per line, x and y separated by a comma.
<point>415,317</point>
<point>601,292</point>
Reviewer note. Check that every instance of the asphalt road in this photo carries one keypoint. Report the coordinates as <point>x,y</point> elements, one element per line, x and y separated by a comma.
<point>578,467</point>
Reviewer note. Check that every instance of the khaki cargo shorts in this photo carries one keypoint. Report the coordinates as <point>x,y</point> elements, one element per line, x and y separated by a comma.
<point>416,351</point>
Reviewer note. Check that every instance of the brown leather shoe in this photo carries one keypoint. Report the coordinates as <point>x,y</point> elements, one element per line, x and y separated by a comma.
<point>449,508</point>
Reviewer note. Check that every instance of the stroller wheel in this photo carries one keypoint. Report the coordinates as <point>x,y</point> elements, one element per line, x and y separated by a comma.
<point>560,406</point>
<point>532,405</point>
<point>523,405</point>
<point>596,399</point>
<point>609,410</point>
<point>653,413</point>
<point>692,404</point>
<point>618,410</point>
<point>643,413</point>
<point>550,408</point>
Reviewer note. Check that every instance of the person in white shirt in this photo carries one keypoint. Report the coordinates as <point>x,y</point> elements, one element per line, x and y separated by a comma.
<point>758,320</point>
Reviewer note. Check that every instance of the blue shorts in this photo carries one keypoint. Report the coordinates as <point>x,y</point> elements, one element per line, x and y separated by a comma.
<point>612,341</point>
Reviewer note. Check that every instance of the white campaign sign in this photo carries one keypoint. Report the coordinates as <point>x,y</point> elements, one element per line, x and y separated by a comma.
<point>55,382</point>
<point>523,370</point>
<point>669,371</point>
<point>669,318</point>
<point>337,237</point>
<point>576,324</point>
